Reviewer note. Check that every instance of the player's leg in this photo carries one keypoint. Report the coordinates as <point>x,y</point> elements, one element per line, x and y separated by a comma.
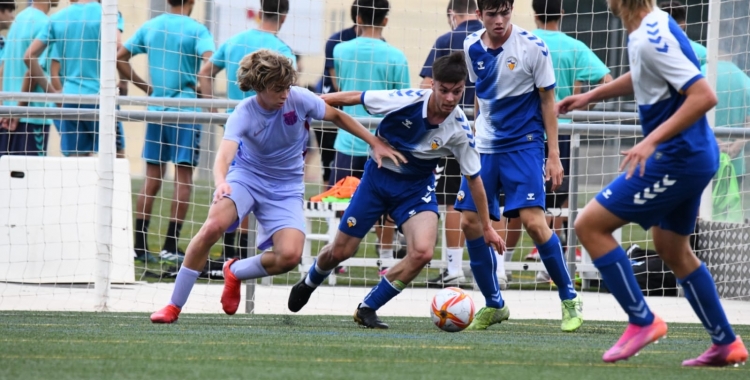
<point>365,208</point>
<point>155,168</point>
<point>482,258</point>
<point>672,243</point>
<point>447,185</point>
<point>221,216</point>
<point>120,139</point>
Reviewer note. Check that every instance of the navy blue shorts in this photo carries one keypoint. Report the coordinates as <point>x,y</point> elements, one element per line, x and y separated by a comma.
<point>79,137</point>
<point>27,140</point>
<point>385,192</point>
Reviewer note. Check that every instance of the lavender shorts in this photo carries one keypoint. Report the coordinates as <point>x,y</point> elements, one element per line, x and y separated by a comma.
<point>276,206</point>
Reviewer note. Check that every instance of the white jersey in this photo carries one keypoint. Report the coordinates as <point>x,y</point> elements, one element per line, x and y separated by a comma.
<point>663,66</point>
<point>508,81</point>
<point>406,128</point>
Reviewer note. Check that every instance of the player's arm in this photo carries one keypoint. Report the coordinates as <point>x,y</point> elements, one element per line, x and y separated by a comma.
<point>31,59</point>
<point>476,187</point>
<point>224,157</point>
<point>621,86</point>
<point>553,167</point>
<point>380,149</point>
<point>578,85</point>
<point>126,71</point>
<point>340,99</point>
<point>206,77</point>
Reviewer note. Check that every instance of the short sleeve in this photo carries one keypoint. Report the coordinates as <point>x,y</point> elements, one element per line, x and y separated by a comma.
<point>541,67</point>
<point>314,107</point>
<point>219,59</point>
<point>427,67</point>
<point>589,68</point>
<point>464,149</point>
<point>45,33</point>
<point>467,57</point>
<point>205,41</point>
<point>669,62</point>
<point>120,22</point>
<point>380,102</point>
<point>137,43</point>
<point>400,71</point>
<point>287,52</point>
<point>237,123</point>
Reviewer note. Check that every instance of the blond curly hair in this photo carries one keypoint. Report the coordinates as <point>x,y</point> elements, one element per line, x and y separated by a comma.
<point>265,69</point>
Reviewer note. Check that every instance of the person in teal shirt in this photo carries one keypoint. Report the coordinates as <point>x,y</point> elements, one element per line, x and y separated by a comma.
<point>733,108</point>
<point>230,53</point>
<point>176,46</point>
<point>678,11</point>
<point>72,37</point>
<point>7,14</point>
<point>26,136</point>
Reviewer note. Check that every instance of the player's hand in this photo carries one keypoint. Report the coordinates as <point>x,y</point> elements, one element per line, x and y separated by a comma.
<point>637,156</point>
<point>222,191</point>
<point>381,149</point>
<point>553,170</point>
<point>493,239</point>
<point>571,103</point>
<point>9,123</point>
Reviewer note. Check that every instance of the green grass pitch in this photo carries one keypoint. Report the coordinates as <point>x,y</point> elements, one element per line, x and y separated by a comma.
<point>54,345</point>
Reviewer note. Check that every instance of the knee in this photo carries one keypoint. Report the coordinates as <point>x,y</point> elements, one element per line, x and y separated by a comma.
<point>340,252</point>
<point>212,229</point>
<point>584,229</point>
<point>536,228</point>
<point>288,258</point>
<point>470,224</point>
<point>421,254</point>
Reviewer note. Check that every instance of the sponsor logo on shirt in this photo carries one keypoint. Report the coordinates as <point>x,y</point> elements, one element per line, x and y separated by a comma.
<point>290,117</point>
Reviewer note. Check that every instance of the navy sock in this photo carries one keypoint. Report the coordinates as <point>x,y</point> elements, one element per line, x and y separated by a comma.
<point>552,257</point>
<point>617,273</point>
<point>316,276</point>
<point>381,294</point>
<point>484,265</point>
<point>700,291</point>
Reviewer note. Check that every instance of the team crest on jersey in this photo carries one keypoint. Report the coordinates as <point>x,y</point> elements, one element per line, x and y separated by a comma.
<point>290,118</point>
<point>511,63</point>
<point>351,222</point>
<point>436,143</point>
<point>460,196</point>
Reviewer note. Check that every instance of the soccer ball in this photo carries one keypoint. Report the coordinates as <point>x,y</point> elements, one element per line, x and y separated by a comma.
<point>452,310</point>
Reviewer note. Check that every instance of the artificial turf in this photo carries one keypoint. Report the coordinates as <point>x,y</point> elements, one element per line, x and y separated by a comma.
<point>55,345</point>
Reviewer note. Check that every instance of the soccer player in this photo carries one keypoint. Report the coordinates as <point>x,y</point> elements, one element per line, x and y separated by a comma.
<point>366,63</point>
<point>424,125</point>
<point>665,174</point>
<point>463,21</point>
<point>575,65</point>
<point>26,136</point>
<point>259,169</point>
<point>678,11</point>
<point>176,45</point>
<point>7,15</point>
<point>72,40</point>
<point>515,84</point>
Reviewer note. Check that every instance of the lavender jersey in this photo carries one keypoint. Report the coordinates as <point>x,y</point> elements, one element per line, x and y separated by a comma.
<point>272,144</point>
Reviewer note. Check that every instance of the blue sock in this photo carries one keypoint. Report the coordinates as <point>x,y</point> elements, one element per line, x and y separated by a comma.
<point>552,257</point>
<point>380,294</point>
<point>316,276</point>
<point>700,291</point>
<point>617,273</point>
<point>484,265</point>
<point>183,284</point>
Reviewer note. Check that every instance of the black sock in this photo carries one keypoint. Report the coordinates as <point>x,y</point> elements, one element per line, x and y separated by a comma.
<point>141,236</point>
<point>173,234</point>
<point>243,245</point>
<point>229,251</point>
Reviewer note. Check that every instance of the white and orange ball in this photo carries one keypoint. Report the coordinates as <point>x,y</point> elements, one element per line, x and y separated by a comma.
<point>452,310</point>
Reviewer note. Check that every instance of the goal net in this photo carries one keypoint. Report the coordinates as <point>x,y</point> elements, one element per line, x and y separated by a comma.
<point>108,231</point>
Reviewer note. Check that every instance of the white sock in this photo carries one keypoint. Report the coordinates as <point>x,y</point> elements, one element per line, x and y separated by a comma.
<point>500,272</point>
<point>249,268</point>
<point>455,260</point>
<point>385,254</point>
<point>508,255</point>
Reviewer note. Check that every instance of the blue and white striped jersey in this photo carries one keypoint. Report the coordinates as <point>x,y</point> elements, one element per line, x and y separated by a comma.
<point>406,128</point>
<point>508,81</point>
<point>663,66</point>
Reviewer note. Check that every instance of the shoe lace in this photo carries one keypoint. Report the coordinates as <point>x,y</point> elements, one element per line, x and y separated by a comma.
<point>570,308</point>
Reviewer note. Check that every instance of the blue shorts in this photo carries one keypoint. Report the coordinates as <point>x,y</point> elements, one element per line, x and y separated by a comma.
<point>385,192</point>
<point>27,140</point>
<point>668,195</point>
<point>82,137</point>
<point>176,143</point>
<point>276,206</point>
<point>520,176</point>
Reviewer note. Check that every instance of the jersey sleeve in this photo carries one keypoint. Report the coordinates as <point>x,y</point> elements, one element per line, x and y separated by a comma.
<point>669,62</point>
<point>45,33</point>
<point>381,102</point>
<point>287,52</point>
<point>137,43</point>
<point>464,149</point>
<point>589,68</point>
<point>541,66</point>
<point>205,41</point>
<point>120,22</point>
<point>427,67</point>
<point>467,57</point>
<point>237,123</point>
<point>219,59</point>
<point>313,106</point>
<point>399,71</point>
